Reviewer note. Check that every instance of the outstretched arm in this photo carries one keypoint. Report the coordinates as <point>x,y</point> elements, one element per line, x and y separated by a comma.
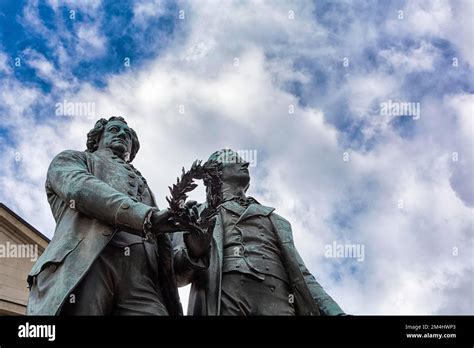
<point>70,178</point>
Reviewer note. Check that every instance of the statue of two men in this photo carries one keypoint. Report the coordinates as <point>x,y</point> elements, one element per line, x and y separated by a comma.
<point>115,253</point>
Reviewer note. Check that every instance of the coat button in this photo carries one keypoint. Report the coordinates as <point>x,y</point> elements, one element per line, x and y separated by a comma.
<point>125,206</point>
<point>131,193</point>
<point>131,175</point>
<point>131,183</point>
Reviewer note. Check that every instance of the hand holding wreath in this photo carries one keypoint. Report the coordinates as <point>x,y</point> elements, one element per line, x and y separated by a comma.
<point>198,225</point>
<point>198,241</point>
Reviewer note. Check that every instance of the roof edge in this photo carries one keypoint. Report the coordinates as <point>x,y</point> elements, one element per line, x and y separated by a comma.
<point>23,221</point>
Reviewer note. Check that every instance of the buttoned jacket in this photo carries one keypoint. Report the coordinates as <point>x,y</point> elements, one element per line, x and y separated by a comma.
<point>92,195</point>
<point>205,275</point>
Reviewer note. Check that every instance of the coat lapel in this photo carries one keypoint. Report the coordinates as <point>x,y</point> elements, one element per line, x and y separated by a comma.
<point>252,210</point>
<point>234,207</point>
<point>255,209</point>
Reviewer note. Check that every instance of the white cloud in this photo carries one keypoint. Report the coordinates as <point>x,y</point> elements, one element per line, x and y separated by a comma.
<point>450,20</point>
<point>462,155</point>
<point>84,42</point>
<point>415,59</point>
<point>144,10</point>
<point>44,69</point>
<point>366,89</point>
<point>90,41</point>
<point>4,66</point>
<point>86,6</point>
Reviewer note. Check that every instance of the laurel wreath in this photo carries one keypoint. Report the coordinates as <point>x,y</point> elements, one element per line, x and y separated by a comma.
<point>210,172</point>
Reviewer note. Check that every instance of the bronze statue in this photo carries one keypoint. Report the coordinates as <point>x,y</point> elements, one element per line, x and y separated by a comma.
<point>110,254</point>
<point>243,261</point>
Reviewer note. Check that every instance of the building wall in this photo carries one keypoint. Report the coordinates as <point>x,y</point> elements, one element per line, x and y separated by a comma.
<point>16,235</point>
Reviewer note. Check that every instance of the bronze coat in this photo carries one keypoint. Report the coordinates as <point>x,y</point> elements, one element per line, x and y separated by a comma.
<point>90,199</point>
<point>206,275</point>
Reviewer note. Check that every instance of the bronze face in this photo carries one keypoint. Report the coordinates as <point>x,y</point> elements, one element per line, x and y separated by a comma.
<point>118,137</point>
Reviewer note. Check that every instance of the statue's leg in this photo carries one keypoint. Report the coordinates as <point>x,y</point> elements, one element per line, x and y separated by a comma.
<point>274,297</point>
<point>233,300</point>
<point>94,295</point>
<point>138,292</point>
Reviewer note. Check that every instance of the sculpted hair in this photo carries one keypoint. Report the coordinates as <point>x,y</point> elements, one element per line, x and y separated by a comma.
<point>93,137</point>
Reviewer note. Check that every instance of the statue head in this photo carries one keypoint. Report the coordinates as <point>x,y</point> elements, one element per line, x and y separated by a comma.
<point>116,135</point>
<point>235,173</point>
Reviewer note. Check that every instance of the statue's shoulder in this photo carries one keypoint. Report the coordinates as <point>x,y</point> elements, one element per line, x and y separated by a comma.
<point>270,212</point>
<point>68,157</point>
<point>280,222</point>
<point>71,154</point>
<point>280,219</point>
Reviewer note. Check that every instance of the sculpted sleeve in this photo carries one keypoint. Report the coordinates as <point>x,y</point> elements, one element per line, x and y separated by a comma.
<point>326,304</point>
<point>69,177</point>
<point>300,273</point>
<point>185,267</point>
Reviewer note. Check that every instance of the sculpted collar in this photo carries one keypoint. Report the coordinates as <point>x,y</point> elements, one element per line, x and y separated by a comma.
<point>244,202</point>
<point>254,208</point>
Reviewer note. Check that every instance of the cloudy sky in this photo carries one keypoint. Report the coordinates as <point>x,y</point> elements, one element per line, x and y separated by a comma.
<point>302,84</point>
